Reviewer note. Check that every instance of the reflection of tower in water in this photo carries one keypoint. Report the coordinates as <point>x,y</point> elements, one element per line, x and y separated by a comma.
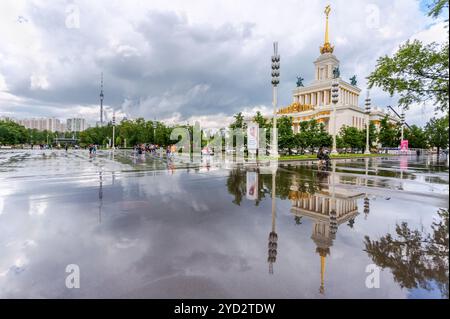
<point>273,236</point>
<point>100,196</point>
<point>366,197</point>
<point>366,207</point>
<point>327,208</point>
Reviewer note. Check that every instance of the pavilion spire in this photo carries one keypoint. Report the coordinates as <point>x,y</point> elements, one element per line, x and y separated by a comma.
<point>322,275</point>
<point>327,47</point>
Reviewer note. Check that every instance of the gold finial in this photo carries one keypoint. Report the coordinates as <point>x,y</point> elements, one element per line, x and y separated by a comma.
<point>327,48</point>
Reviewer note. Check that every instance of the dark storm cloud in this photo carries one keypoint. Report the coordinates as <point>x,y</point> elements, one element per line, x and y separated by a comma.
<point>161,61</point>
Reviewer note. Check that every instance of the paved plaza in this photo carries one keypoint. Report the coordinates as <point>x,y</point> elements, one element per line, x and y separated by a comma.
<point>142,227</point>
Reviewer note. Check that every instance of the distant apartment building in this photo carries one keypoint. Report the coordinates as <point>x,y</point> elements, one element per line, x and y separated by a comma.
<point>41,124</point>
<point>76,125</point>
<point>6,118</point>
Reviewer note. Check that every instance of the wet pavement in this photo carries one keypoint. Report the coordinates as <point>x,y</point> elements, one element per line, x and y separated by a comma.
<point>139,227</point>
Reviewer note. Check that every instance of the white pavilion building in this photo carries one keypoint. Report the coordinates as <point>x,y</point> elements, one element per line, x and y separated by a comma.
<point>314,100</point>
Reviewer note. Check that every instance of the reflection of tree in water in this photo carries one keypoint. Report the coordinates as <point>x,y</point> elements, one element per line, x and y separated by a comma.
<point>416,259</point>
<point>236,185</point>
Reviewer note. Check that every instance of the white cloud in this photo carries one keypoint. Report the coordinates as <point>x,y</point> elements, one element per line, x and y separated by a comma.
<point>3,86</point>
<point>38,82</point>
<point>435,33</point>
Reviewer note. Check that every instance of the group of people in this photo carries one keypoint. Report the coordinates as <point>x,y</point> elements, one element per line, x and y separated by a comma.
<point>323,157</point>
<point>92,149</point>
<point>155,149</point>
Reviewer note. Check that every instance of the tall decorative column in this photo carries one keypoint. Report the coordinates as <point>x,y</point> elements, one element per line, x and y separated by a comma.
<point>367,151</point>
<point>275,82</point>
<point>334,100</point>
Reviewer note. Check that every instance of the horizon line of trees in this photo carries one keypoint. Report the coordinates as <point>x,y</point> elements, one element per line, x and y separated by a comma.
<point>311,135</point>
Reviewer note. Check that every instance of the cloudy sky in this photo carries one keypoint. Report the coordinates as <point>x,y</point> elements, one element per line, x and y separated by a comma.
<point>179,60</point>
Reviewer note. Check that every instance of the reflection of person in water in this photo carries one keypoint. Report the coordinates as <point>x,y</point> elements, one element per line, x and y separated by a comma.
<point>324,158</point>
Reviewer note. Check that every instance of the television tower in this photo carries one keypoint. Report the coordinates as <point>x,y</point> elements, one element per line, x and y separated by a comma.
<point>101,101</point>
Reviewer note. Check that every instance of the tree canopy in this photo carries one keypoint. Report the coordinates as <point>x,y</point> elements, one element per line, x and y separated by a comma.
<point>437,132</point>
<point>417,72</point>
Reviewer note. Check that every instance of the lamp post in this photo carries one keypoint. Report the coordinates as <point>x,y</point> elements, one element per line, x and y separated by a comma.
<point>273,236</point>
<point>154,130</point>
<point>275,82</point>
<point>367,123</point>
<point>402,122</point>
<point>114,130</point>
<point>334,100</point>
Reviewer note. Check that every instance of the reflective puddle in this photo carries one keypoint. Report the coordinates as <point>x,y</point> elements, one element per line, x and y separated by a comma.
<point>138,227</point>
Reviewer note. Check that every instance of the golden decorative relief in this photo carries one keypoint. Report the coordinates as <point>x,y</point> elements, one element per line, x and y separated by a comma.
<point>296,195</point>
<point>295,108</point>
<point>327,48</point>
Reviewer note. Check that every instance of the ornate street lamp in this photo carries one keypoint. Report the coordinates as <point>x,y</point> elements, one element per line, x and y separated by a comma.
<point>114,130</point>
<point>402,122</point>
<point>368,102</point>
<point>275,82</point>
<point>334,100</point>
<point>154,130</point>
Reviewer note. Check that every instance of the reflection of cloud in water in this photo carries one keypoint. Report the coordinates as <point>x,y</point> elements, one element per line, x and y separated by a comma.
<point>38,205</point>
<point>170,236</point>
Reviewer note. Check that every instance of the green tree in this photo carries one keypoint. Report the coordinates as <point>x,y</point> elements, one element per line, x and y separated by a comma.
<point>239,128</point>
<point>352,137</point>
<point>260,119</point>
<point>238,122</point>
<point>118,142</point>
<point>416,137</point>
<point>417,72</point>
<point>388,134</point>
<point>312,134</point>
<point>285,134</point>
<point>302,139</point>
<point>437,134</point>
<point>373,136</point>
<point>12,133</point>
<point>320,136</point>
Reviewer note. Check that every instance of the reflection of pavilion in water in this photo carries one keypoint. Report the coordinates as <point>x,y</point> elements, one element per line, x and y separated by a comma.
<point>328,208</point>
